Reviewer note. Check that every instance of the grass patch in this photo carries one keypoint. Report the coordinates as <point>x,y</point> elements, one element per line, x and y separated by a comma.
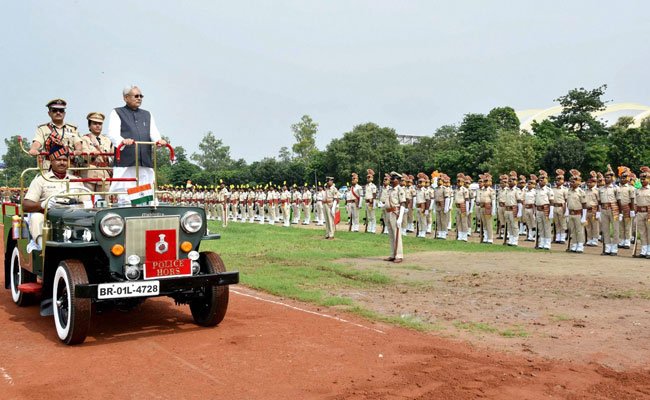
<point>406,321</point>
<point>515,332</point>
<point>338,301</point>
<point>628,294</point>
<point>475,327</point>
<point>558,318</point>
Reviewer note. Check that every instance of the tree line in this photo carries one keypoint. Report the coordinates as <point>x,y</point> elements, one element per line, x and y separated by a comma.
<point>490,142</point>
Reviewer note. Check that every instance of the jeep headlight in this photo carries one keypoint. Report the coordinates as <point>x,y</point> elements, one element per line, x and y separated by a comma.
<point>191,222</point>
<point>111,225</point>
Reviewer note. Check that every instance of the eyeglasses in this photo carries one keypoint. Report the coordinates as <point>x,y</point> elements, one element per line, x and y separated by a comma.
<point>57,110</point>
<point>137,96</point>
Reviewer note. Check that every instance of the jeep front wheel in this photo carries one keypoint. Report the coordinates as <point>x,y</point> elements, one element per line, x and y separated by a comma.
<point>18,276</point>
<point>71,314</point>
<point>209,307</point>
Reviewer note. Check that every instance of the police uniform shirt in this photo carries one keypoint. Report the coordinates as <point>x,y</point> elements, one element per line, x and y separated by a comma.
<point>575,198</point>
<point>68,132</point>
<point>626,193</point>
<point>544,196</point>
<point>40,189</point>
<point>395,196</point>
<point>370,191</point>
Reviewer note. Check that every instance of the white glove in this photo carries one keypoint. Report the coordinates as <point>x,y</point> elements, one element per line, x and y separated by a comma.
<point>632,213</point>
<point>426,212</point>
<point>620,217</point>
<point>471,207</point>
<point>447,204</point>
<point>380,204</point>
<point>468,210</point>
<point>413,206</point>
<point>566,211</point>
<point>584,216</point>
<point>401,216</point>
<point>494,207</point>
<point>519,207</point>
<point>598,215</point>
<point>550,214</point>
<point>50,204</point>
<point>336,205</point>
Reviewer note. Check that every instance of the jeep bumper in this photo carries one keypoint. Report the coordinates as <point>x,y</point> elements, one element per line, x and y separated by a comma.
<point>169,286</point>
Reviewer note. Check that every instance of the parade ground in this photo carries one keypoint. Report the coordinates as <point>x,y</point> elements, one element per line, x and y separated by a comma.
<point>329,319</point>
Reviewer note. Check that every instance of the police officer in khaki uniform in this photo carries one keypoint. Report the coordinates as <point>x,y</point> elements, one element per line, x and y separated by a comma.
<point>331,205</point>
<point>369,199</point>
<point>66,131</point>
<point>593,199</point>
<point>487,201</point>
<point>383,197</point>
<point>560,210</point>
<point>95,143</point>
<point>306,204</point>
<point>626,194</point>
<point>577,208</point>
<point>354,202</point>
<point>543,210</point>
<point>529,207</point>
<point>501,204</point>
<point>461,201</point>
<point>642,204</point>
<point>223,198</point>
<point>472,201</point>
<point>395,208</point>
<point>609,213</point>
<point>422,203</point>
<point>513,199</point>
<point>50,183</point>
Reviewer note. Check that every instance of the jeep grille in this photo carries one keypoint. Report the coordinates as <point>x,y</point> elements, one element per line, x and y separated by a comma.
<point>135,233</point>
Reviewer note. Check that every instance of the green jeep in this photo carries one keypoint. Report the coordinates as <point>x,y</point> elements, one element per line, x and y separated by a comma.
<point>105,257</point>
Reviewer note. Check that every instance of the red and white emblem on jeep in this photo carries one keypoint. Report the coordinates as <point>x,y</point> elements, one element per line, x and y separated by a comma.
<point>161,246</point>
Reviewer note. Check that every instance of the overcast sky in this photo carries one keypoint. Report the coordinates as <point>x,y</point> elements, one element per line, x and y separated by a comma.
<point>248,70</point>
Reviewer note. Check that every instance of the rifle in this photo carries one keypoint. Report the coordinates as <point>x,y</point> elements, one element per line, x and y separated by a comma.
<point>481,231</point>
<point>435,227</point>
<point>636,241</point>
<point>350,219</point>
<point>365,222</point>
<point>537,231</point>
<point>383,224</point>
<point>569,234</point>
<point>505,234</point>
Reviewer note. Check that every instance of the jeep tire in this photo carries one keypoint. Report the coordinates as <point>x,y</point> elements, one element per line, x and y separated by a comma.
<point>71,314</point>
<point>18,276</point>
<point>210,307</point>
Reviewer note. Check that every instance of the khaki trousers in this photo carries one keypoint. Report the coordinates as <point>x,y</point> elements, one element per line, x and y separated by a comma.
<point>501,218</point>
<point>643,227</point>
<point>625,228</point>
<point>329,221</point>
<point>559,219</point>
<point>271,212</point>
<point>394,235</point>
<point>576,230</point>
<point>410,215</point>
<point>223,213</point>
<point>422,219</point>
<point>370,213</point>
<point>306,210</point>
<point>461,220</point>
<point>543,225</point>
<point>354,213</point>
<point>286,212</point>
<point>235,209</point>
<point>607,220</point>
<point>486,221</point>
<point>512,223</point>
<point>36,225</point>
<point>319,211</point>
<point>529,218</point>
<point>593,225</point>
<point>251,211</point>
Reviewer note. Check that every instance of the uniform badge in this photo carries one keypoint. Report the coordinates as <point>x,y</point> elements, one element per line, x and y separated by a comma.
<point>162,246</point>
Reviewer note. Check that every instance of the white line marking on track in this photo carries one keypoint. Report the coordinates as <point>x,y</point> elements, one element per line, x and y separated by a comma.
<point>5,375</point>
<point>307,311</point>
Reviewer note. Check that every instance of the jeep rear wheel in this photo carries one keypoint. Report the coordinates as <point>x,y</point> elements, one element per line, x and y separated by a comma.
<point>71,314</point>
<point>209,308</point>
<point>18,276</point>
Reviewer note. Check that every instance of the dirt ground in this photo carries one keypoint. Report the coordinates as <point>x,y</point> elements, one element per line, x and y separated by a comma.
<point>272,348</point>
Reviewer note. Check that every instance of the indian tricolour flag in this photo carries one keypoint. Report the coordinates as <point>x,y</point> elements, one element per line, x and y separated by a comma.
<point>140,194</point>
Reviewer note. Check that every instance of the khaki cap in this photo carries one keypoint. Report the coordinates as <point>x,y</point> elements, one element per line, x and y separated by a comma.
<point>56,103</point>
<point>95,116</point>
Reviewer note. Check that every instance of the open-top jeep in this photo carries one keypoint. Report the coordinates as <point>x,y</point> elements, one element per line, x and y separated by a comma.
<point>97,256</point>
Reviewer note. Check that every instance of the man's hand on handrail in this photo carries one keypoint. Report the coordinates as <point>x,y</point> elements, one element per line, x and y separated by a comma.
<point>161,143</point>
<point>128,142</point>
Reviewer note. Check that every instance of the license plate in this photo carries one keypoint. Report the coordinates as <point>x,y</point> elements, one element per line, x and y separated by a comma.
<point>127,289</point>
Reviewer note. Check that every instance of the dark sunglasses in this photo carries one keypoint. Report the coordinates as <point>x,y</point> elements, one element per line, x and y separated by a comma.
<point>56,110</point>
<point>138,96</point>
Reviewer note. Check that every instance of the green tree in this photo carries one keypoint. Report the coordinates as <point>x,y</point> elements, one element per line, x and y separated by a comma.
<point>629,147</point>
<point>477,135</point>
<point>514,150</point>
<point>366,146</point>
<point>214,156</point>
<point>15,162</point>
<point>305,134</point>
<point>505,118</point>
<point>578,105</point>
<point>565,153</point>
